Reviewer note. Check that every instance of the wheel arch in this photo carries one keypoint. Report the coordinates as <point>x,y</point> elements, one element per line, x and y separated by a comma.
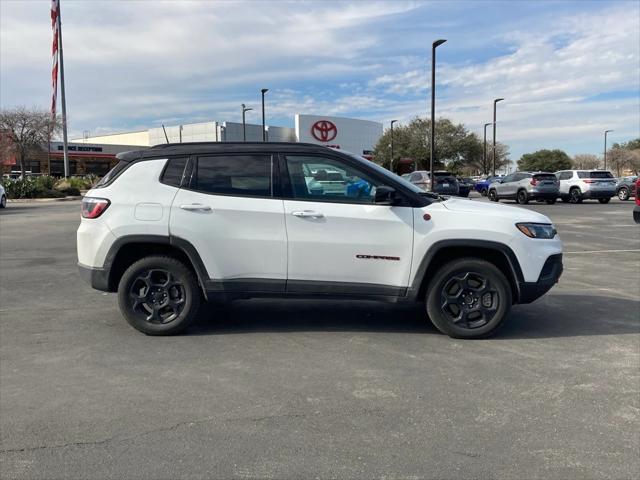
<point>131,248</point>
<point>499,254</point>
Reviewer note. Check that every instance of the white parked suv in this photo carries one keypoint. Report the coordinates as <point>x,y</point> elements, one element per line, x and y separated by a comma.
<point>175,224</point>
<point>577,185</point>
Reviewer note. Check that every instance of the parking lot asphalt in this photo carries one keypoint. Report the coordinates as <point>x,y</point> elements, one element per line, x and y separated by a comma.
<point>300,389</point>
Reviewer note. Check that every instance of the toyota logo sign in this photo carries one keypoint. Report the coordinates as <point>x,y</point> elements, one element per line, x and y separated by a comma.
<point>324,130</point>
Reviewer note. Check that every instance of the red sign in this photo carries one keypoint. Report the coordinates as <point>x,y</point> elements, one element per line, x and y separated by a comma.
<point>324,131</point>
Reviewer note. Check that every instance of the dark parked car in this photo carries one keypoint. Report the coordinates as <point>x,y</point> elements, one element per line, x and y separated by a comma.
<point>482,187</point>
<point>465,185</point>
<point>626,187</point>
<point>445,182</point>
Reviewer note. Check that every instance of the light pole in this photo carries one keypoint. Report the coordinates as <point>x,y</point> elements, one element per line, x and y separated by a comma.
<point>391,162</point>
<point>494,133</point>
<point>605,148</point>
<point>432,145</point>
<point>244,126</point>
<point>484,151</point>
<point>264,130</point>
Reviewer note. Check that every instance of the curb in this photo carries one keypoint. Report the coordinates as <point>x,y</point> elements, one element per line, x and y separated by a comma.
<point>42,200</point>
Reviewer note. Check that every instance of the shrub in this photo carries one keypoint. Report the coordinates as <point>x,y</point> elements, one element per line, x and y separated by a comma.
<point>39,187</point>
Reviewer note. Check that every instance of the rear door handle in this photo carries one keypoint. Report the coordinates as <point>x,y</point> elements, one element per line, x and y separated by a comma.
<point>307,213</point>
<point>195,207</point>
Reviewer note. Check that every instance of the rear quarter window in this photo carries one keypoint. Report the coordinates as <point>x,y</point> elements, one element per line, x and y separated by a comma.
<point>174,172</point>
<point>112,174</point>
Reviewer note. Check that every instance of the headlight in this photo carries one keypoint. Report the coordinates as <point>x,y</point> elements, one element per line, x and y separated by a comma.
<point>537,230</point>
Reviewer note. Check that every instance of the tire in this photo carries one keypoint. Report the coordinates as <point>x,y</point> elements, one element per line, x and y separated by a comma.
<point>623,194</point>
<point>483,192</point>
<point>551,201</point>
<point>565,199</point>
<point>604,200</point>
<point>465,312</point>
<point>493,195</point>
<point>522,197</point>
<point>3,201</point>
<point>575,195</point>
<point>151,282</point>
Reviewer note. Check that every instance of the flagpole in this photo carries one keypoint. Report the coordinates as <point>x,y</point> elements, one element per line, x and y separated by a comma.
<point>62,98</point>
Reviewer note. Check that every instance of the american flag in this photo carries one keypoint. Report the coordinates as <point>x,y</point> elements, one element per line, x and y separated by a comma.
<point>55,6</point>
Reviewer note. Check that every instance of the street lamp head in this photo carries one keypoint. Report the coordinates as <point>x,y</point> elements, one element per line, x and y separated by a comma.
<point>498,100</point>
<point>393,121</point>
<point>439,42</point>
<point>264,90</point>
<point>607,131</point>
<point>487,124</point>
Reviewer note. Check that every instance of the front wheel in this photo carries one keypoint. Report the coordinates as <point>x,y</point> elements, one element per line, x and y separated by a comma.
<point>3,201</point>
<point>623,194</point>
<point>468,298</point>
<point>493,196</point>
<point>159,295</point>
<point>604,200</point>
<point>483,192</point>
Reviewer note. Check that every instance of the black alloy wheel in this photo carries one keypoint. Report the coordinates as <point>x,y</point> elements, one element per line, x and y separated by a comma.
<point>493,195</point>
<point>522,198</point>
<point>159,295</point>
<point>575,196</point>
<point>468,298</point>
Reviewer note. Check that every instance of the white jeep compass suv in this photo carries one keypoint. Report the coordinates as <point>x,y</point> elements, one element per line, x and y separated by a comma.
<point>175,224</point>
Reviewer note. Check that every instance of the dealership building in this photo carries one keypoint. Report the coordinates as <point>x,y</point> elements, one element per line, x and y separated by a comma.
<point>97,154</point>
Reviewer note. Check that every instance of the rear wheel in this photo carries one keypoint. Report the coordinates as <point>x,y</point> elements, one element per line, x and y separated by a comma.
<point>493,195</point>
<point>3,201</point>
<point>468,298</point>
<point>623,194</point>
<point>523,197</point>
<point>483,192</point>
<point>575,195</point>
<point>604,200</point>
<point>159,295</point>
<point>551,201</point>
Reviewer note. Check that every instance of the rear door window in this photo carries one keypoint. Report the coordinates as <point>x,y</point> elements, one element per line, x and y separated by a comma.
<point>235,175</point>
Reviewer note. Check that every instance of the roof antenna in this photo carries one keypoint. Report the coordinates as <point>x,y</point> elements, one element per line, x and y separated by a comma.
<point>165,134</point>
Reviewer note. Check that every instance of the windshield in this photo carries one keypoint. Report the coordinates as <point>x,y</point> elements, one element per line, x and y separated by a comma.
<point>386,173</point>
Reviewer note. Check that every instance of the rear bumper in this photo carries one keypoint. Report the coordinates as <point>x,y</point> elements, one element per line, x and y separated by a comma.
<point>599,194</point>
<point>549,276</point>
<point>97,278</point>
<point>534,195</point>
<point>636,214</point>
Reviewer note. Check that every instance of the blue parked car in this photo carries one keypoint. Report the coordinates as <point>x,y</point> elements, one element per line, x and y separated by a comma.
<point>482,186</point>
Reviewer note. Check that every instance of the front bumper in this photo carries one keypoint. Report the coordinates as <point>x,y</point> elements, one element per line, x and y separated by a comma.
<point>549,276</point>
<point>636,214</point>
<point>98,278</point>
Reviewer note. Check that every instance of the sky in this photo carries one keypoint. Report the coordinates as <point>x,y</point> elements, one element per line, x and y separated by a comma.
<point>568,70</point>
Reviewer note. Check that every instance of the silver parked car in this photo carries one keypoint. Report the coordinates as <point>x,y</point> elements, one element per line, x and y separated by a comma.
<point>578,185</point>
<point>525,186</point>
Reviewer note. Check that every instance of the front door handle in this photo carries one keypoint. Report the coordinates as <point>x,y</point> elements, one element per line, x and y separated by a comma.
<point>307,213</point>
<point>195,207</point>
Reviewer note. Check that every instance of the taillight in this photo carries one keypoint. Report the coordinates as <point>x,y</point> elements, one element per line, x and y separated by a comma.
<point>589,181</point>
<point>638,192</point>
<point>94,207</point>
<point>533,182</point>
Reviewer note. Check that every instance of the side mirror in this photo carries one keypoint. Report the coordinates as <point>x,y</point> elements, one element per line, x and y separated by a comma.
<point>385,196</point>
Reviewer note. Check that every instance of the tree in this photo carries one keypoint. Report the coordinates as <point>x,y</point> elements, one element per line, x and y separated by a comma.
<point>586,161</point>
<point>456,148</point>
<point>624,156</point>
<point>25,132</point>
<point>545,160</point>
